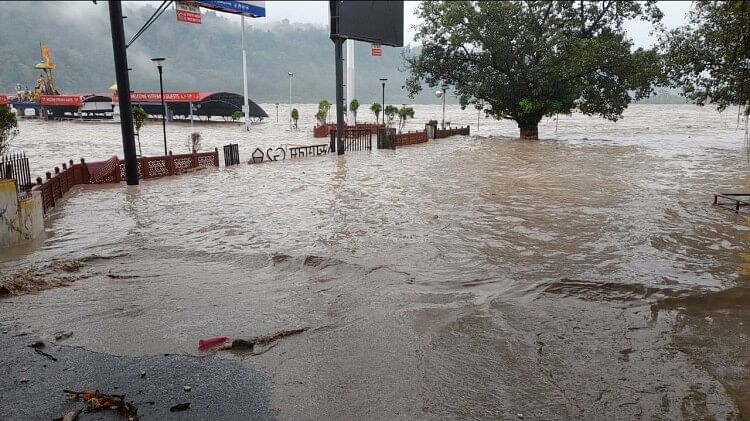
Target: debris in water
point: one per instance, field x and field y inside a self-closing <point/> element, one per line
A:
<point x="40" y="352"/>
<point x="116" y="276"/>
<point x="180" y="407"/>
<point x="59" y="336"/>
<point x="24" y="380"/>
<point x="68" y="266"/>
<point x="30" y="281"/>
<point x="207" y="343"/>
<point x="143" y="373"/>
<point x="267" y="342"/>
<point x="186" y="388"/>
<point x="96" y="401"/>
<point x="37" y="344"/>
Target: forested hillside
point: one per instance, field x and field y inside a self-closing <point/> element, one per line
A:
<point x="199" y="57"/>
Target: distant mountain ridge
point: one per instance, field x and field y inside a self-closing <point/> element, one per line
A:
<point x="204" y="57"/>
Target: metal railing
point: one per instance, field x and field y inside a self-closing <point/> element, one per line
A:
<point x="16" y="166"/>
<point x="231" y="154"/>
<point x="354" y="140"/>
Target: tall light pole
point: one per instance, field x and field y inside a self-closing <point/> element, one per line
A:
<point x="291" y="75"/>
<point x="382" y="104"/>
<point x="123" y="84"/>
<point x="246" y="100"/>
<point x="159" y="62"/>
<point x="439" y="94"/>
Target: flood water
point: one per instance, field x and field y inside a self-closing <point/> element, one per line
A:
<point x="586" y="275"/>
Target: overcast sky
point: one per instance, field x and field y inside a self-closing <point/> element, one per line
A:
<point x="317" y="12"/>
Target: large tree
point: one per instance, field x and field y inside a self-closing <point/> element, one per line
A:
<point x="710" y="56"/>
<point x="529" y="59"/>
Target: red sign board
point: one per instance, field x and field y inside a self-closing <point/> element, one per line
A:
<point x="3" y="99"/>
<point x="61" y="100"/>
<point x="377" y="51"/>
<point x="187" y="12"/>
<point x="168" y="97"/>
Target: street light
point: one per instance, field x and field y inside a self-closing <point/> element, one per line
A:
<point x="158" y="61"/>
<point x="291" y="75"/>
<point x="382" y="82"/>
<point x="439" y="94"/>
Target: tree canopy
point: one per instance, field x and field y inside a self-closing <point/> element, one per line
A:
<point x="710" y="56"/>
<point x="529" y="59"/>
<point x="8" y="127"/>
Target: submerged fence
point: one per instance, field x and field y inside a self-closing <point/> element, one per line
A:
<point x="443" y="133"/>
<point x="54" y="187"/>
<point x="354" y="140"/>
<point x="16" y="166"/>
<point x="231" y="154"/>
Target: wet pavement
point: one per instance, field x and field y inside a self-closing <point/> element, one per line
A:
<point x="31" y="384"/>
<point x="473" y="277"/>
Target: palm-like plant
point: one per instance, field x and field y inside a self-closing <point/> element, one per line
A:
<point x="354" y="106"/>
<point x="376" y="108"/>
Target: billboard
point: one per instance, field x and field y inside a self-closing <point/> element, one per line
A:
<point x="187" y="12"/>
<point x="378" y="22"/>
<point x="253" y="9"/>
<point x="168" y="97"/>
<point x="61" y="100"/>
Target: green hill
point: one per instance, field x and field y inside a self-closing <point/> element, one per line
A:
<point x="202" y="57"/>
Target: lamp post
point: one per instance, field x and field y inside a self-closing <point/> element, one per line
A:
<point x="158" y="61"/>
<point x="382" y="104"/>
<point x="439" y="94"/>
<point x="291" y="75"/>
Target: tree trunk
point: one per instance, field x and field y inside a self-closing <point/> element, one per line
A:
<point x="529" y="131"/>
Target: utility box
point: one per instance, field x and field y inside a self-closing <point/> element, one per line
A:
<point x="387" y="138"/>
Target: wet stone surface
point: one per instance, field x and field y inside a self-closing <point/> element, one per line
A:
<point x="31" y="385"/>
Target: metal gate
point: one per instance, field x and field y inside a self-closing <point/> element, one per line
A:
<point x="231" y="154"/>
<point x="354" y="140"/>
<point x="16" y="166"/>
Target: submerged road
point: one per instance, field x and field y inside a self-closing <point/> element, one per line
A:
<point x="472" y="277"/>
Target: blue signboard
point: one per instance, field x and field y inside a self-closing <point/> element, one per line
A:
<point x="253" y="9"/>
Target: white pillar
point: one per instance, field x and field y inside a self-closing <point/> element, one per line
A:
<point x="349" y="79"/>
<point x="246" y="100"/>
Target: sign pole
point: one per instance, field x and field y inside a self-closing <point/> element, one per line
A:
<point x="246" y="100"/>
<point x="339" y="95"/>
<point x="350" y="79"/>
<point x="123" y="90"/>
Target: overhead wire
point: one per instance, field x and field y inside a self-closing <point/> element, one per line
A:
<point x="159" y="11"/>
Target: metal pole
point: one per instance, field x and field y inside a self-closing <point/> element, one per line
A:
<point x="338" y="41"/>
<point x="163" y="111"/>
<point x="443" y="108"/>
<point x="350" y="78"/>
<point x="123" y="85"/>
<point x="246" y="100"/>
<point x="382" y="111"/>
<point x="290" y="101"/>
<point x="191" y="114"/>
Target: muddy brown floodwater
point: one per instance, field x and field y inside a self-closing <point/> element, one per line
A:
<point x="582" y="276"/>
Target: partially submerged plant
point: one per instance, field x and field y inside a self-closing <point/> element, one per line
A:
<point x="8" y="127"/>
<point x="194" y="141"/>
<point x="295" y="116"/>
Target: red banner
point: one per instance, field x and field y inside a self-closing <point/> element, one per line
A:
<point x="187" y="12"/>
<point x="168" y="97"/>
<point x="61" y="100"/>
<point x="3" y="99"/>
